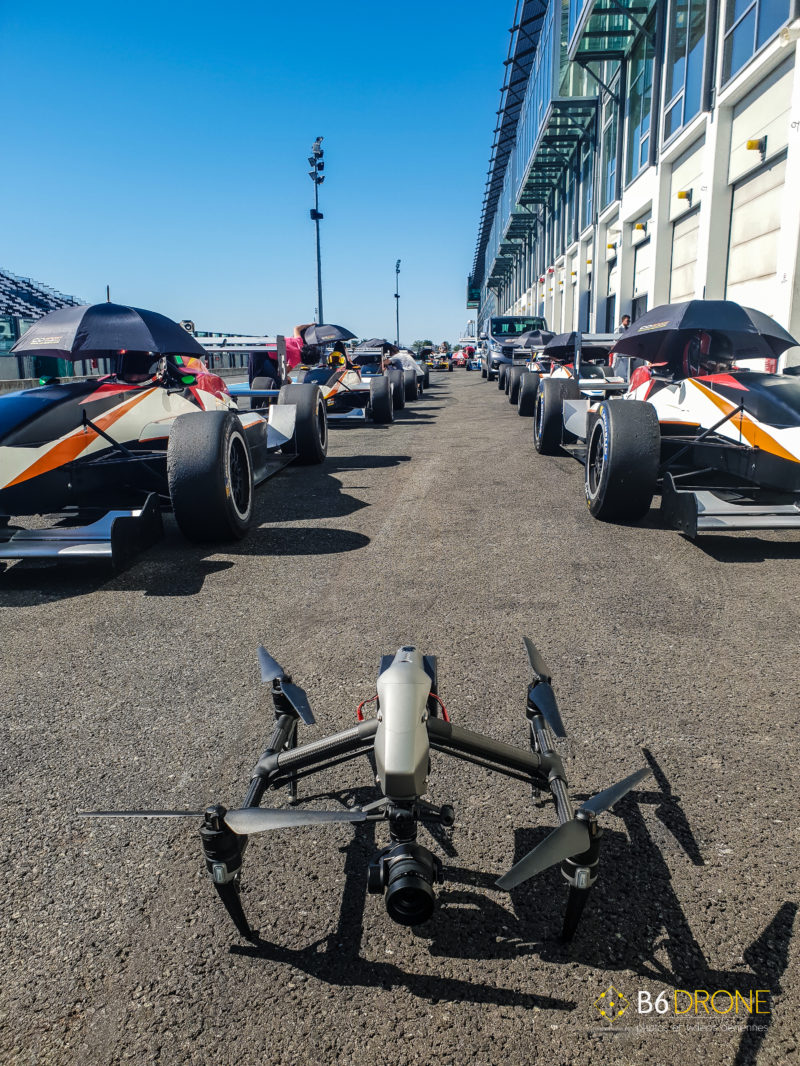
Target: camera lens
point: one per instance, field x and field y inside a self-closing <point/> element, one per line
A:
<point x="410" y="873"/>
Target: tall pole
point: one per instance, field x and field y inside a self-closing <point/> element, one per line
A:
<point x="316" y="175"/>
<point x="397" y="300"/>
<point x="319" y="254"/>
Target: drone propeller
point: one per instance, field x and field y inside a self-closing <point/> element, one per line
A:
<point x="540" y="693"/>
<point x="537" y="662"/>
<point x="571" y="838"/>
<point x="247" y="820"/>
<point x="271" y="670"/>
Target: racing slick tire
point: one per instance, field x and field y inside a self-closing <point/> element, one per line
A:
<point x="410" y="385"/>
<point x="210" y="476"/>
<point x="548" y="419"/>
<point x="381" y="405"/>
<point x="426" y="381"/>
<point x="311" y="421"/>
<point x="526" y="398"/>
<point x="514" y="379"/>
<point x="260" y="385"/>
<point x="450" y="367"/>
<point x="622" y="457"/>
<point x="398" y="388"/>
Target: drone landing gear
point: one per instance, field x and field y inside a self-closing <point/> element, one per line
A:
<point x="575" y="843"/>
<point x="223" y="850"/>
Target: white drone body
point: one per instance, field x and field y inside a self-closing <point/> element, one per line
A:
<point x="402" y="749"/>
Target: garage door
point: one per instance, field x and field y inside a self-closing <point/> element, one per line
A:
<point x="684" y="258"/>
<point x="641" y="269"/>
<point x="755" y="231"/>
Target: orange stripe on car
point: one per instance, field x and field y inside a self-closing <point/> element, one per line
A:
<point x="755" y="436"/>
<point x="71" y="447"/>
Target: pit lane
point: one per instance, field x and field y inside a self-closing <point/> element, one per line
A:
<point x="445" y="529"/>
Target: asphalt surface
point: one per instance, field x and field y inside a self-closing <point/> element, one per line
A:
<point x="448" y="531"/>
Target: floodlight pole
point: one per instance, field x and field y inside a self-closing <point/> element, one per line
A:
<point x="316" y="175"/>
<point x="397" y="300"/>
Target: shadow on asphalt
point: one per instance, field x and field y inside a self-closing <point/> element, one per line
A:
<point x="633" y="920"/>
<point x="176" y="567"/>
<point x="746" y="549"/>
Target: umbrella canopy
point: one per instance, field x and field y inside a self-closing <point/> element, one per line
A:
<point x="562" y="346"/>
<point x="533" y="338"/>
<point x="378" y="342"/>
<point x="739" y="332"/>
<point x="326" y="334"/>
<point x="92" y="330"/>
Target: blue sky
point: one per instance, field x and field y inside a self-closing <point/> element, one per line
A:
<point x="162" y="148"/>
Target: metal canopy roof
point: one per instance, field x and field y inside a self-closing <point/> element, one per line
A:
<point x="528" y="16"/>
<point x="606" y="28"/>
<point x="566" y="122"/>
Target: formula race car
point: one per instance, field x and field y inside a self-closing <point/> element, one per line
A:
<point x="410" y="724"/>
<point x="722" y="446"/>
<point x="442" y="361"/>
<point x="582" y="357"/>
<point x="159" y="431"/>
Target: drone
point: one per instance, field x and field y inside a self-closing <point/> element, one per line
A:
<point x="410" y="721"/>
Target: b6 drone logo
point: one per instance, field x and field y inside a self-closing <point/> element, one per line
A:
<point x="611" y="1004"/>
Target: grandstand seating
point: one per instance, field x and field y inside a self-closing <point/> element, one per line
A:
<point x="25" y="298"/>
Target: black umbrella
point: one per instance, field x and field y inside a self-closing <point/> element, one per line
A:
<point x="739" y="332"/>
<point x="323" y="334"/>
<point x="533" y="338"/>
<point x="93" y="330"/>
<point x="378" y="342"/>
<point x="562" y="346"/>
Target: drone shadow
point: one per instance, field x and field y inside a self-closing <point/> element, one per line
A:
<point x="337" y="957"/>
<point x="652" y="935"/>
<point x="647" y="918"/>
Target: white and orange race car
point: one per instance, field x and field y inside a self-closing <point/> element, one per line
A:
<point x="159" y="432"/>
<point x="722" y="446"/>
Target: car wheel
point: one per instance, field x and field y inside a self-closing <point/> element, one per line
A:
<point x="427" y="379"/>
<point x="380" y="400"/>
<point x="622" y="457"/>
<point x="410" y="390"/>
<point x="483" y="371"/>
<point x="398" y="388"/>
<point x="210" y="476"/>
<point x="514" y="378"/>
<point x="548" y="419"/>
<point x="310" y="423"/>
<point x="490" y="374"/>
<point x="528" y="387"/>
<point x="502" y="374"/>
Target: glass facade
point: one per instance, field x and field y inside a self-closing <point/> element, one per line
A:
<point x="684" y="71"/>
<point x="608" y="154"/>
<point x="639" y="101"/>
<point x="749" y="24"/>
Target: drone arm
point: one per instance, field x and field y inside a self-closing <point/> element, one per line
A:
<point x="557" y="782"/>
<point x="285" y="725"/>
<point x="504" y="758"/>
<point x="277" y="764"/>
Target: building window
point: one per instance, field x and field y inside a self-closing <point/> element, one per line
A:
<point x="608" y="159"/>
<point x="687" y="33"/>
<point x="749" y="24"/>
<point x="587" y="184"/>
<point x="640" y="95"/>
